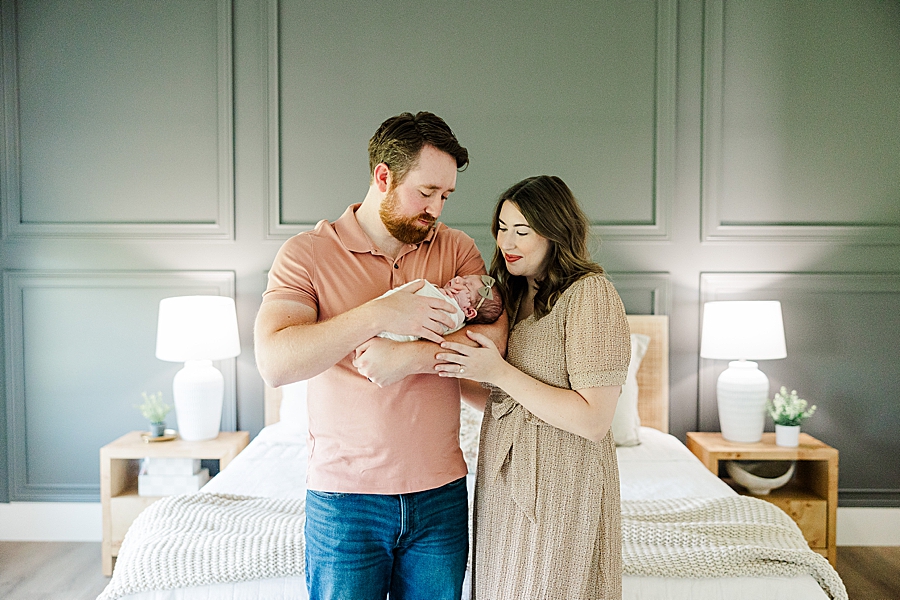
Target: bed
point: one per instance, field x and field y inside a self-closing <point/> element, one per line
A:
<point x="210" y="545"/>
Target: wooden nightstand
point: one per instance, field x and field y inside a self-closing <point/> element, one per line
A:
<point x="119" y="464"/>
<point x="810" y="498"/>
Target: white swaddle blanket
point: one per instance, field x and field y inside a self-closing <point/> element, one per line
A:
<point x="432" y="291"/>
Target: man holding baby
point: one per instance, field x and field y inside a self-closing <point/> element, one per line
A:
<point x="386" y="500"/>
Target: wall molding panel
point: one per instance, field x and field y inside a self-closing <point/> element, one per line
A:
<point x="277" y="229"/>
<point x="643" y="292"/>
<point x="841" y="356"/>
<point x="81" y="344"/>
<point x="148" y="163"/>
<point x="661" y="165"/>
<point x="756" y="164"/>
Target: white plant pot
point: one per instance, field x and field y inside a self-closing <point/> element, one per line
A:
<point x="787" y="435"/>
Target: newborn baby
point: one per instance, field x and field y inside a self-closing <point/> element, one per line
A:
<point x="472" y="296"/>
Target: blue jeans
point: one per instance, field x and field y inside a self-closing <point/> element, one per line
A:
<point x="363" y="546"/>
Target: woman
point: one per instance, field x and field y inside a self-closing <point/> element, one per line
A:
<point x="547" y="522"/>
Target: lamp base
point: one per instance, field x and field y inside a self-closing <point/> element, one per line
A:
<point x="742" y="391"/>
<point x="198" y="390"/>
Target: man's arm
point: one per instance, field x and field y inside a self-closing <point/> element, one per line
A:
<point x="292" y="345"/>
<point x="386" y="362"/>
<point x="474" y="394"/>
<point x="498" y="332"/>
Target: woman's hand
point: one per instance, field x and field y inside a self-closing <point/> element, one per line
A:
<point x="586" y="412"/>
<point x="481" y="363"/>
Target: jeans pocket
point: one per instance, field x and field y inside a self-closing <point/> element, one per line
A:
<point x="328" y="495"/>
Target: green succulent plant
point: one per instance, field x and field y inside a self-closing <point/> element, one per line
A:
<point x="153" y="408"/>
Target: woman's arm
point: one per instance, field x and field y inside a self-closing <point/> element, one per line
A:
<point x="587" y="412"/>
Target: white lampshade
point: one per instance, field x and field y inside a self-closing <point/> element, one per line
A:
<point x="197" y="330"/>
<point x="742" y="330"/>
<point x="749" y="329"/>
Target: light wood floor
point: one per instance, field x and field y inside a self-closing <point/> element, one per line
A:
<point x="71" y="571"/>
<point x="50" y="570"/>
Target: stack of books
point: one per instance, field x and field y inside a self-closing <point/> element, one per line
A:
<point x="170" y="476"/>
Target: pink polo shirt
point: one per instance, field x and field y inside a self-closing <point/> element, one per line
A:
<point x="362" y="438"/>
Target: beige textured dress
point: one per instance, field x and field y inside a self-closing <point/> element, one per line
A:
<point x="547" y="522"/>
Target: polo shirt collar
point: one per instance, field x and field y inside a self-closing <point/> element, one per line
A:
<point x="355" y="239"/>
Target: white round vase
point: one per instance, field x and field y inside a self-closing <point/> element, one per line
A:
<point x="741" y="392"/>
<point x="198" y="391"/>
<point x="787" y="435"/>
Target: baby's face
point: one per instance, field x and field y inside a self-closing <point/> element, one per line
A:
<point x="464" y="289"/>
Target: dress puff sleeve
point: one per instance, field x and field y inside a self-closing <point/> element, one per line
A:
<point x="598" y="339"/>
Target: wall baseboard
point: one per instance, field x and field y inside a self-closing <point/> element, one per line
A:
<point x="51" y="522"/>
<point x="868" y="526"/>
<point x="81" y="522"/>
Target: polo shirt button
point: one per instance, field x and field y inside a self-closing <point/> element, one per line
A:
<point x="396" y="266"/>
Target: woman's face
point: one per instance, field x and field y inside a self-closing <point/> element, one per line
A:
<point x="524" y="251"/>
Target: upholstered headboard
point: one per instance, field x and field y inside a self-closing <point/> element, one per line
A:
<point x="653" y="376"/>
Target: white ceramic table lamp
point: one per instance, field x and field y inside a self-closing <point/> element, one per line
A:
<point x="737" y="331"/>
<point x="197" y="330"/>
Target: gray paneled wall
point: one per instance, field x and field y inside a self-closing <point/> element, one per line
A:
<point x="586" y="92"/>
<point x="721" y="149"/>
<point x="122" y="113"/>
<point x="840" y="330"/>
<point x="801" y="121"/>
<point x="80" y="351"/>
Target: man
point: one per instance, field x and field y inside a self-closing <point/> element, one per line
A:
<point x="386" y="500"/>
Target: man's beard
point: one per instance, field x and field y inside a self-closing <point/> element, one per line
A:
<point x="405" y="229"/>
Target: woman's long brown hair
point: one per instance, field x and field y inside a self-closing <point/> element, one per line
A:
<point x="552" y="212"/>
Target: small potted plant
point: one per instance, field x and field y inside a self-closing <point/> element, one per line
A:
<point x="788" y="410"/>
<point x="155" y="411"/>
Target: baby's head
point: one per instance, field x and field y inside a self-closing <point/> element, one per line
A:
<point x="477" y="297"/>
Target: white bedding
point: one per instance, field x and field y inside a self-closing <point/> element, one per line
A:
<point x="662" y="467"/>
<point x="274" y="465"/>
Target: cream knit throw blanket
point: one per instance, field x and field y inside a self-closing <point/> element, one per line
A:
<point x="203" y="539"/>
<point x="719" y="537"/>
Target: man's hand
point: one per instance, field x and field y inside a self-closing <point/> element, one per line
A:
<point x="385" y="362"/>
<point x="405" y="313"/>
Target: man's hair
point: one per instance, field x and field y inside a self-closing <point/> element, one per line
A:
<point x="490" y="310"/>
<point x="400" y="139"/>
<point x="552" y="212"/>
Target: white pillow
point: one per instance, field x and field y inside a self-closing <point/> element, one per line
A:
<point x="626" y="423"/>
<point x="293" y="411"/>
